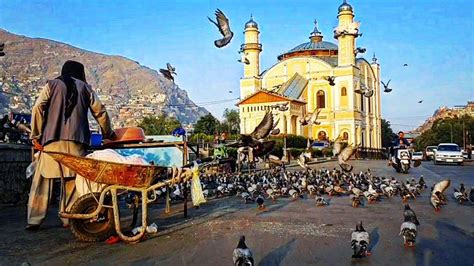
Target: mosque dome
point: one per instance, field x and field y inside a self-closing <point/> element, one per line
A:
<point x="345" y="7"/>
<point x="251" y="23"/>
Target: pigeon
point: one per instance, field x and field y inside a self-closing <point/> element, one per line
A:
<point x="359" y="50"/>
<point x="311" y="119"/>
<point x="405" y="65"/>
<point x="471" y="194"/>
<point x="356" y="201"/>
<point x="260" y="202"/>
<point x="168" y="72"/>
<point x="459" y="196"/>
<point x="242" y="255"/>
<point x="282" y="107"/>
<point x="385" y="86"/>
<point x="410" y="215"/>
<point x="345" y="155"/>
<point x="331" y="80"/>
<point x="360" y="242"/>
<point x="420" y="101"/>
<point x="224" y="28"/>
<point x="441" y="187"/>
<point x="245" y="61"/>
<point x="369" y="93"/>
<point x="320" y="201"/>
<point x="408" y="231"/>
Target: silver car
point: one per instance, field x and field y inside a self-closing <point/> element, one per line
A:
<point x="448" y="153"/>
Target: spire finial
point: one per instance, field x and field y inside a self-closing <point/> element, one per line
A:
<point x="374" y="59"/>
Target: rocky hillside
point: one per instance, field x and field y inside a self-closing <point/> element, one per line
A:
<point x="446" y="112"/>
<point x="128" y="89"/>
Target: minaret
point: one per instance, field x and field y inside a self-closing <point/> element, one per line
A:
<point x="345" y="33"/>
<point x="250" y="50"/>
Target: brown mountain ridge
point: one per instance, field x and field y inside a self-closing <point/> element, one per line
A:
<point x="128" y="89"/>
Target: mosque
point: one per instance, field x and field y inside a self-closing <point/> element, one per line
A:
<point x="300" y="79"/>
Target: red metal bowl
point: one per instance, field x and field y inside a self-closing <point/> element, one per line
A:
<point x="129" y="134"/>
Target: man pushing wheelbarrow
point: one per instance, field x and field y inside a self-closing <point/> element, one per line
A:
<point x="60" y="124"/>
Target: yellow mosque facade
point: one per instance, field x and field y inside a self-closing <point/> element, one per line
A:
<point x="316" y="76"/>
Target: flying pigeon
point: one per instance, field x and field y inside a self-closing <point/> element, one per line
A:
<point x="385" y="86"/>
<point x="224" y="28"/>
<point x="168" y="72"/>
<point x="331" y="79"/>
<point x="420" y="101"/>
<point x="369" y="93"/>
<point x="245" y="61"/>
<point x="405" y="65"/>
<point x="360" y="242"/>
<point x="311" y="119"/>
<point x="437" y="195"/>
<point x="359" y="50"/>
<point x="242" y="255"/>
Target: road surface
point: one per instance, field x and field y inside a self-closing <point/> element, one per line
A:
<point x="286" y="233"/>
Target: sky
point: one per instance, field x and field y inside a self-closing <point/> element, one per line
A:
<point x="434" y="37"/>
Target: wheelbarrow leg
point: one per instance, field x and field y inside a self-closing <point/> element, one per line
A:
<point x="142" y="231"/>
<point x="136" y="200"/>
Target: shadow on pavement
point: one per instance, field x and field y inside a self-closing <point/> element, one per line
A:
<point x="450" y="244"/>
<point x="278" y="255"/>
<point x="374" y="239"/>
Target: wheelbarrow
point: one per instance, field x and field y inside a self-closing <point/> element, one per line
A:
<point x="95" y="216"/>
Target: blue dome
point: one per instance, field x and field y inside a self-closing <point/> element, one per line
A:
<point x="345" y="7"/>
<point x="251" y="23"/>
<point x="307" y="46"/>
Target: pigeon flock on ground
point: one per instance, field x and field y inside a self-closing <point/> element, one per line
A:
<point x="321" y="184"/>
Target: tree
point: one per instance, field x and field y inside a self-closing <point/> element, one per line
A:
<point x="443" y="128"/>
<point x="387" y="133"/>
<point x="207" y="124"/>
<point x="231" y="123"/>
<point x="160" y="125"/>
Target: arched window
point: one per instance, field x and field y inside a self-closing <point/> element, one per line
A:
<point x="343" y="91"/>
<point x="345" y="136"/>
<point x="320" y="99"/>
<point x="322" y="136"/>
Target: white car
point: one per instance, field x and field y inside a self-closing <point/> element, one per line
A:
<point x="417" y="155"/>
<point x="448" y="153"/>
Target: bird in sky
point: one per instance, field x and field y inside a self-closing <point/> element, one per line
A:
<point x="245" y="61"/>
<point x="405" y="65"/>
<point x="168" y="72"/>
<point x="420" y="101"/>
<point x="385" y="86"/>
<point x="224" y="28"/>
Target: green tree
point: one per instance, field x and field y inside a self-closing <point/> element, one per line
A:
<point x="387" y="133"/>
<point x="160" y="125"/>
<point x="207" y="124"/>
<point x="231" y="123"/>
<point x="443" y="128"/>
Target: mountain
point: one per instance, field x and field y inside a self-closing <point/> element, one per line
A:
<point x="446" y="112"/>
<point x="128" y="89"/>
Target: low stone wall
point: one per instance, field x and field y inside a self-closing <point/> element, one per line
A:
<point x="14" y="159"/>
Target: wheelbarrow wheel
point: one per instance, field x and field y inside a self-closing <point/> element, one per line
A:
<point x="92" y="230"/>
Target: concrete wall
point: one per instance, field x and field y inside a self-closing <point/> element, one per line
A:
<point x="14" y="159"/>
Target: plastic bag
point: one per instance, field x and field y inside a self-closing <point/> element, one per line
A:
<point x="196" y="189"/>
<point x="30" y="170"/>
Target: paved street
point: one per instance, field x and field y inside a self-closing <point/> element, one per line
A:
<point x="286" y="233"/>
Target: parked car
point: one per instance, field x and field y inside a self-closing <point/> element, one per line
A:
<point x="429" y="152"/>
<point x="448" y="153"/>
<point x="417" y="155"/>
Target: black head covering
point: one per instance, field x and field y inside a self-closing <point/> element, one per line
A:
<point x="71" y="69"/>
